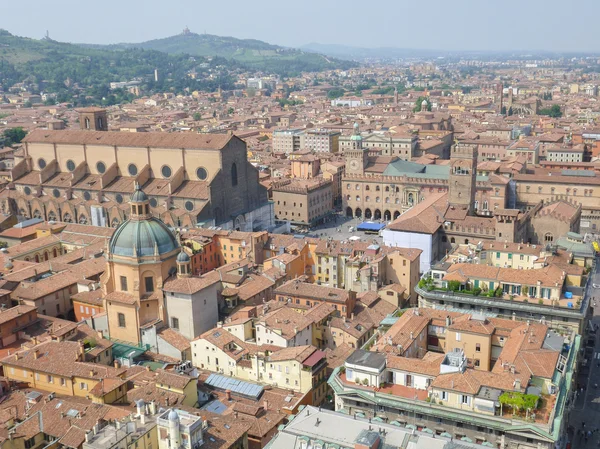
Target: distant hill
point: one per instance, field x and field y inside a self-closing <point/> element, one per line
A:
<point x="251" y="53"/>
<point x="361" y="53"/>
<point x="83" y="74"/>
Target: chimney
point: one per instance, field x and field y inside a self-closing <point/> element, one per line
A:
<point x="411" y="336"/>
<point x="81" y="348"/>
<point x="36" y="354"/>
<point x="91" y="373"/>
<point x="117" y="364"/>
<point x="167" y="401"/>
<point x="448" y="321"/>
<point x="228" y="394"/>
<point x="266" y="405"/>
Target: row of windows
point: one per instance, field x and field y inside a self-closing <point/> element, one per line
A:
<point x="367" y="187"/>
<point x="586" y="192"/>
<point x="132" y="169"/>
<point x="148" y="283"/>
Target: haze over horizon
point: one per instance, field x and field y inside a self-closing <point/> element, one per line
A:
<point x="469" y="25"/>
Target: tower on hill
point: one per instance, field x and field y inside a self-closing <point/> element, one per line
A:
<point x="462" y="179"/>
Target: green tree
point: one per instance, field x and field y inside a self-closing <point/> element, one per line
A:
<point x="28" y="104"/>
<point x="230" y="111"/>
<point x="335" y="93"/>
<point x="503" y="111"/>
<point x="13" y="136"/>
<point x="418" y="104"/>
<point x="553" y="111"/>
<point x="197" y="116"/>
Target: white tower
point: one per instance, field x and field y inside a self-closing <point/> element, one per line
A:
<point x="174" y="434"/>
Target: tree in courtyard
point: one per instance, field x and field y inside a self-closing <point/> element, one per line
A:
<point x="13" y="136"/>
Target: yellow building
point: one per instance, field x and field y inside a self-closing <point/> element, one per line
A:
<point x="58" y="367"/>
<point x="298" y="368"/>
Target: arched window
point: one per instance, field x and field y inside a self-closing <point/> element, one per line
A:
<point x="485" y="205"/>
<point x="452" y="240"/>
<point x="548" y="237"/>
<point x="411" y="198"/>
<point x="476" y="204"/>
<point x="234" y="175"/>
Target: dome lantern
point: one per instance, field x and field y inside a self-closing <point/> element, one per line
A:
<point x="139" y="204"/>
<point x="142" y="235"/>
<point x="184" y="269"/>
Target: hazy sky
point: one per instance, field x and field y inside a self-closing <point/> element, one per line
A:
<point x="434" y="24"/>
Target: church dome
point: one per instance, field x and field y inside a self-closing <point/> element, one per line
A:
<point x="356" y="133"/>
<point x="183" y="257"/>
<point x="139" y="196"/>
<point x="139" y="238"/>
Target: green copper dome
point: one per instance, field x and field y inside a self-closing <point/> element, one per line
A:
<point x="182" y="257"/>
<point x="142" y="238"/>
<point x="138" y="197"/>
<point x="356" y="133"/>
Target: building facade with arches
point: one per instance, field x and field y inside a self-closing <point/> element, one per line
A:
<point x="85" y="176"/>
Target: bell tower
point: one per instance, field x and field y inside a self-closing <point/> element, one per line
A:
<point x="93" y="119"/>
<point x="462" y="178"/>
<point x="356" y="156"/>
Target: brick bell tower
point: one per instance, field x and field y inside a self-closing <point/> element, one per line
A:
<point x="462" y="178"/>
<point x="357" y="157"/>
<point x="93" y="119"/>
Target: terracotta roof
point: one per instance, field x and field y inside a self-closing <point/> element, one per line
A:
<point x="143" y="140"/>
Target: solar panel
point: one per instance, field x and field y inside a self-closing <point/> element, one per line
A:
<point x="240" y="387"/>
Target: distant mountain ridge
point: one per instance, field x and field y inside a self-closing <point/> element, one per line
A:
<point x="362" y="53"/>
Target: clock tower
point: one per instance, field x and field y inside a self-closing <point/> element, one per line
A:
<point x="356" y="156"/>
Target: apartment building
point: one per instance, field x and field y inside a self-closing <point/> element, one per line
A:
<point x="287" y="140"/>
<point x="305" y="202"/>
<point x="59" y="367"/>
<point x="321" y="140"/>
<point x="454" y="385"/>
<point x="513" y="280"/>
<point x="299" y="368"/>
<point x="302" y="295"/>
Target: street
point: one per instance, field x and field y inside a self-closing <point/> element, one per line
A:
<point x="586" y="409"/>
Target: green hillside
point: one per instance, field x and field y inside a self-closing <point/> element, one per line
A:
<point x="250" y="53"/>
<point x="83" y="74"/>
